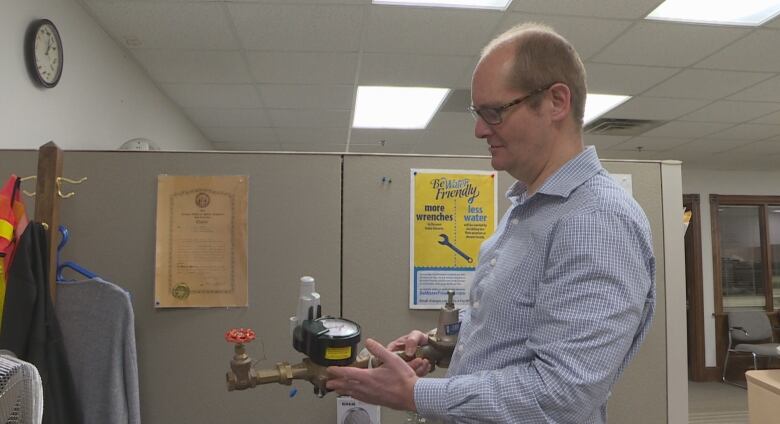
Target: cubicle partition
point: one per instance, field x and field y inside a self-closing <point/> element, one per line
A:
<point x="343" y="219"/>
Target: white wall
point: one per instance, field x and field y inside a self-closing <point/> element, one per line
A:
<point x="103" y="99"/>
<point x="706" y="182"/>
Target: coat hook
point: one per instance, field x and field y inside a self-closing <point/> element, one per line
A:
<point x="28" y="193"/>
<point x="67" y="180"/>
<point x="386" y="180"/>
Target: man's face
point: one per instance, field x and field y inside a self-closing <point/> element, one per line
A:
<point x="519" y="144"/>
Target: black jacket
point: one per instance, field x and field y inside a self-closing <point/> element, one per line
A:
<point x="31" y="330"/>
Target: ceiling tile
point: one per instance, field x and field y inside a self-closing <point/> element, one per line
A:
<point x="213" y="95"/>
<point x="767" y="91"/>
<point x="165" y="25"/>
<point x="303" y="68"/>
<point x="705" y="84"/>
<point x="683" y="129"/>
<point x="213" y="117"/>
<point x="667" y="44"/>
<point x="414" y="70"/>
<point x="240" y="135"/>
<point x="759" y="148"/>
<point x="609" y="154"/>
<point x="302" y="27"/>
<point x="624" y="79"/>
<point x="366" y="2"/>
<point x="376" y="137"/>
<point x="389" y="149"/>
<point x="255" y="73"/>
<point x="772" y="118"/>
<point x="206" y="66"/>
<point x="312" y="135"/>
<point x="747" y="132"/>
<point x="456" y="122"/>
<point x="642" y="143"/>
<point x="655" y="108"/>
<point x="309" y="118"/>
<point x="587" y="35"/>
<point x="756" y="52"/>
<point x="428" y="30"/>
<point x="774" y="23"/>
<point x="428" y="148"/>
<point x="600" y="8"/>
<point x="451" y="141"/>
<point x="736" y="161"/>
<point x="307" y="96"/>
<point x="728" y="111"/>
<point x="603" y="141"/>
<point x="705" y="146"/>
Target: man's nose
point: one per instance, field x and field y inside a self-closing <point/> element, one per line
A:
<point x="482" y="129"/>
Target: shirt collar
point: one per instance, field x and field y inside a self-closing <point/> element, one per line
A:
<point x="570" y="176"/>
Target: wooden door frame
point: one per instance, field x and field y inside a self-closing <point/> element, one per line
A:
<point x="721" y="321"/>
<point x="693" y="266"/>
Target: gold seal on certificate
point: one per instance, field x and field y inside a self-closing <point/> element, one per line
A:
<point x="181" y="291"/>
<point x="201" y="255"/>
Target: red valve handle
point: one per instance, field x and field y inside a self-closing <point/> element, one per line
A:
<point x="240" y="335"/>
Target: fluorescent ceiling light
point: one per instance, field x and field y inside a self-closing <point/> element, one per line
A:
<point x="718" y="12"/>
<point x="464" y="4"/>
<point x="397" y="107"/>
<point x="599" y="104"/>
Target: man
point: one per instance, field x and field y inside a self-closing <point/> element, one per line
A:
<point x="564" y="292"/>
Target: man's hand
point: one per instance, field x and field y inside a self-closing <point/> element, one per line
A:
<point x="391" y="385"/>
<point x="409" y="344"/>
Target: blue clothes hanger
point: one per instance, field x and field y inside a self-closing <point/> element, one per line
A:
<point x="65" y="235"/>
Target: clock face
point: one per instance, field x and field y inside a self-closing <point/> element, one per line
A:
<point x="47" y="53"/>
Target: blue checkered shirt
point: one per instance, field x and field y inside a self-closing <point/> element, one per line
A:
<point x="562" y="298"/>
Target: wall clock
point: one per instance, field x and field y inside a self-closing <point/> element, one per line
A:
<point x="43" y="48"/>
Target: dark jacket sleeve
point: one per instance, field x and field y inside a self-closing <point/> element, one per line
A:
<point x="31" y="330"/>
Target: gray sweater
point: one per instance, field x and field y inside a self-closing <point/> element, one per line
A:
<point x="97" y="324"/>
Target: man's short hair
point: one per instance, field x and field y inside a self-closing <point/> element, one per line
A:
<point x="544" y="57"/>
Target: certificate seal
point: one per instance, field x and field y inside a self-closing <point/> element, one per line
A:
<point x="181" y="291"/>
<point x="202" y="200"/>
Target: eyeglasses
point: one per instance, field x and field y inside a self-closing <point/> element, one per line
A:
<point x="493" y="115"/>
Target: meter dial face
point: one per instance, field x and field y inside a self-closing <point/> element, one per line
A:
<point x="339" y="327"/>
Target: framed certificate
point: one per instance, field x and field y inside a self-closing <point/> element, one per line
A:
<point x="201" y="248"/>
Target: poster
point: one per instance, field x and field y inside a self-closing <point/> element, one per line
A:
<point x="201" y="249"/>
<point x="452" y="213"/>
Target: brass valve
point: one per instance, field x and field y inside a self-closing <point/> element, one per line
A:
<point x="242" y="375"/>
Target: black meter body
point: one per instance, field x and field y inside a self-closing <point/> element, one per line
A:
<point x="327" y="341"/>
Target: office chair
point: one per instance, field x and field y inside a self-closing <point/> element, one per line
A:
<point x="746" y="328"/>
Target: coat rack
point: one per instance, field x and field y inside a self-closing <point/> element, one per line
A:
<point x="48" y="192"/>
<point x="47" y="203"/>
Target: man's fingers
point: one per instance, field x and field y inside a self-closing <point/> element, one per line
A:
<point x="420" y="366"/>
<point x="387" y="357"/>
<point x="411" y="347"/>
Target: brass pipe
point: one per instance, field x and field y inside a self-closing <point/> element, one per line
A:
<point x="243" y="376"/>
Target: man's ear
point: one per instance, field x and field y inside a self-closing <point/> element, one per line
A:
<point x="561" y="101"/>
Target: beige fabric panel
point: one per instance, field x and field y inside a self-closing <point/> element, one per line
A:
<point x="22" y="163"/>
<point x="639" y="397"/>
<point x="294" y="230"/>
<point x="376" y="267"/>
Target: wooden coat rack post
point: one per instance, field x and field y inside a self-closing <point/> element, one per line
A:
<point x="47" y="203"/>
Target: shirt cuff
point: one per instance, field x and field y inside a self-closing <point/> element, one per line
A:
<point x="430" y="397"/>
